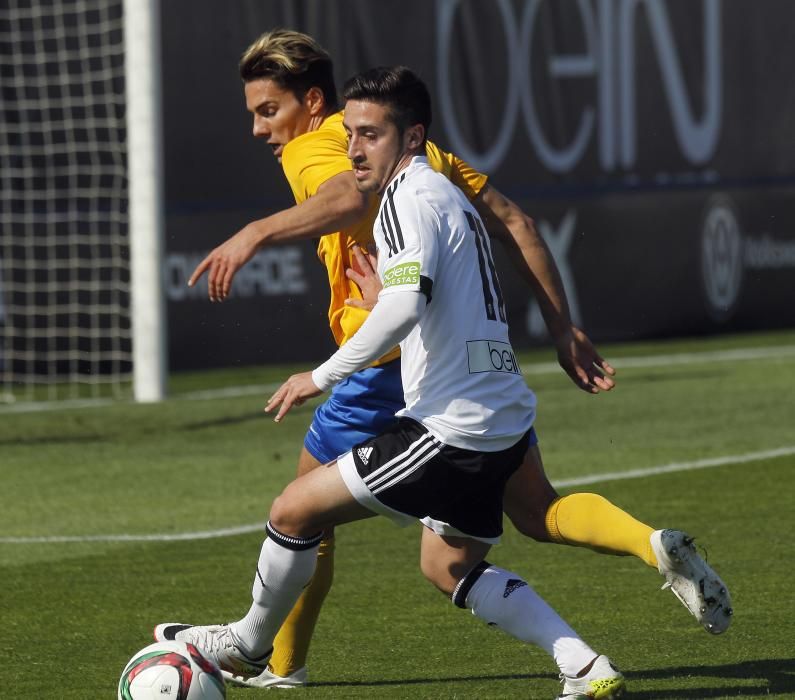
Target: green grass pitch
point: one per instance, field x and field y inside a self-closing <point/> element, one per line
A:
<point x="74" y="611"/>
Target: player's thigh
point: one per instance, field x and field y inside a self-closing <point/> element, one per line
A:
<point x="306" y="462"/>
<point x="445" y="560"/>
<point x="528" y="495"/>
<point x="316" y="501"/>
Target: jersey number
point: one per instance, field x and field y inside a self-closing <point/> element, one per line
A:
<point x="488" y="273"/>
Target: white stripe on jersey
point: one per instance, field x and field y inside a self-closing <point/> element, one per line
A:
<point x="419" y="452"/>
<point x="390" y="223"/>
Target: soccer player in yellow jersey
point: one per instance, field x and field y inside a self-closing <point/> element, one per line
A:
<point x="290" y="91"/>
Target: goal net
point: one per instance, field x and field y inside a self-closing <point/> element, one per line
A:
<point x="65" y="296"/>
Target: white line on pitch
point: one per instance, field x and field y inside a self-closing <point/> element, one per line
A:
<point x="684" y="358"/>
<point x="678" y="358"/>
<point x="676" y="467"/>
<point x="707" y="463"/>
<point x="165" y="537"/>
<point x="681" y="358"/>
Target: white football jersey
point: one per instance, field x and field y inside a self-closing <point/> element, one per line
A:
<point x="460" y="374"/>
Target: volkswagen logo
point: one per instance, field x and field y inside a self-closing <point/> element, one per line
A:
<point x="721" y="257"/>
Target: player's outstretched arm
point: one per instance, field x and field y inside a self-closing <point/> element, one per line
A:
<point x="517" y="232"/>
<point x="580" y="360"/>
<point x="390" y="321"/>
<point x="297" y="389"/>
<point x="336" y="205"/>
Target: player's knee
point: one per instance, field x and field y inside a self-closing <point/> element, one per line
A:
<point x="287" y="517"/>
<point x="280" y="516"/>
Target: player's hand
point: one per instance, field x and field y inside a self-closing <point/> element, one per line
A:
<point x="293" y="392"/>
<point x="584" y="365"/>
<point x="364" y="273"/>
<point x="224" y="262"/>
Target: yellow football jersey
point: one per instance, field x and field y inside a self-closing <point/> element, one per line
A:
<point x="311" y="159"/>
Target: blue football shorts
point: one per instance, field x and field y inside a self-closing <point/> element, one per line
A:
<point x="359" y="408"/>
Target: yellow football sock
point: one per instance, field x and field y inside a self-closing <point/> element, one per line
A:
<point x="291" y="646"/>
<point x="589" y="520"/>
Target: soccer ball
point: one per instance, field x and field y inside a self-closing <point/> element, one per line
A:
<point x="171" y="671"/>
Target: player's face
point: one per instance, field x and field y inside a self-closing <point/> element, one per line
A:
<point x="375" y="146"/>
<point x="278" y="114"/>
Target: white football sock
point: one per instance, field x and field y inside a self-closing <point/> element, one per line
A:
<point x="285" y="566"/>
<point x="503" y="599"/>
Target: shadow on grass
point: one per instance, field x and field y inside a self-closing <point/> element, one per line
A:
<point x="243" y="418"/>
<point x="226" y="420"/>
<point x="53" y="440"/>
<point x="677" y="375"/>
<point x="774" y="676"/>
<point x="429" y="680"/>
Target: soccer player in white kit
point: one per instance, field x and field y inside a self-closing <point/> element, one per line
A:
<point x="467" y="424"/>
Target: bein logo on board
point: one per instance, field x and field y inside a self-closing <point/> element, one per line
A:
<point x="613" y="53"/>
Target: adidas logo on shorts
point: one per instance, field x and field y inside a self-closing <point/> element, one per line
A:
<point x="364" y="454"/>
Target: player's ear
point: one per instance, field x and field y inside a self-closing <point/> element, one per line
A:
<point x="415" y="135"/>
<point x="315" y="101"/>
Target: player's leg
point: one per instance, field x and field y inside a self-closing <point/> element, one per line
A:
<point x="357" y="409"/>
<point x="309" y="505"/>
<point x="287" y="667"/>
<point x="501" y="598"/>
<point x="579" y="519"/>
<point x="446" y="560"/>
<point x="461" y="492"/>
<point x="286" y="563"/>
<point x="589" y="520"/>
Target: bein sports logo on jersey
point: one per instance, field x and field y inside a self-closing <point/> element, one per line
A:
<point x="404" y="273"/>
<point x="491" y="356"/>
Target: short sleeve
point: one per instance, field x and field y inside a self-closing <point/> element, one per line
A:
<point x="411" y="229"/>
<point x="457" y="170"/>
<point x="311" y="159"/>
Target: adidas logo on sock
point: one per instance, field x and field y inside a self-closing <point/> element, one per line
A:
<point x="512" y="585"/>
<point x="364" y="454"/>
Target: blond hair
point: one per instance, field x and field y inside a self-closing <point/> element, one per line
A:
<point x="293" y="60"/>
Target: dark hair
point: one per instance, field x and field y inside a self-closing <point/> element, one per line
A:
<point x="294" y="61"/>
<point x="396" y="87"/>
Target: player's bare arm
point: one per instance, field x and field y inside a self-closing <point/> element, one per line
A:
<point x="516" y="231"/>
<point x="337" y="205"/>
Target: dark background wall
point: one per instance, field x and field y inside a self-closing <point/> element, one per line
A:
<point x="652" y="142"/>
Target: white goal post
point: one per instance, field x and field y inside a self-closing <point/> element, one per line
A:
<point x="145" y="168"/>
<point x="81" y="213"/>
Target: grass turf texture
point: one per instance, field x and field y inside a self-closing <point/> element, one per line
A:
<point x="73" y="613"/>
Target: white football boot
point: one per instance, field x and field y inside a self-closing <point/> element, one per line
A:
<point x="692" y="580"/>
<point x="218" y="644"/>
<point x="268" y="679"/>
<point x="602" y="682"/>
